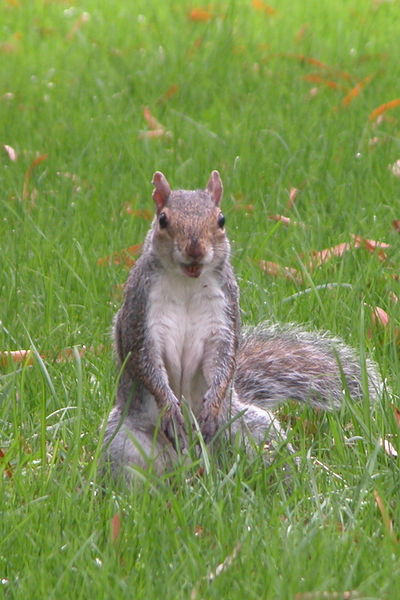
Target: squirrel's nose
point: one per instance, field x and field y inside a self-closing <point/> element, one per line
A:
<point x="195" y="249"/>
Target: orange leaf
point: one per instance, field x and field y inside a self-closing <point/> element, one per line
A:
<point x="281" y="218"/>
<point x="16" y="356"/>
<point x="292" y="197"/>
<point x="151" y="120"/>
<point x="396" y="412"/>
<point x="171" y="91"/>
<point x="123" y="257"/>
<point x="355" y="91"/>
<point x="264" y="7"/>
<point x="320" y="257"/>
<point x="314" y="78"/>
<point x="396" y="225"/>
<point x="142" y="213"/>
<point x="277" y="270"/>
<point x="200" y="14"/>
<point x="380" y="316"/>
<point x="7" y="468"/>
<point x="383" y="108"/>
<point x="12" y="155"/>
<point x="28" y="174"/>
<point x="371" y="245"/>
<point x="387" y="522"/>
<point x="81" y="20"/>
<point x="115" y="527"/>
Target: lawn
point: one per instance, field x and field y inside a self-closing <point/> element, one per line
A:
<point x="297" y="105"/>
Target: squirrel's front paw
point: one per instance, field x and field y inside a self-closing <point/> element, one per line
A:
<point x="208" y="420"/>
<point x="173" y="426"/>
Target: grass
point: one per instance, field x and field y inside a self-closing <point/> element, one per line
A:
<point x="73" y="88"/>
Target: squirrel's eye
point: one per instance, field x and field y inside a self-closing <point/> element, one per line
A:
<point x="221" y="221"/>
<point x="162" y="220"/>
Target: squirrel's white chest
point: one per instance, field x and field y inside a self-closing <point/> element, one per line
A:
<point x="185" y="318"/>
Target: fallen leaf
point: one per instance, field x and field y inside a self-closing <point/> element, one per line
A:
<point x="393" y="297"/>
<point x="12" y="155"/>
<point x="371" y="245"/>
<point x="396" y="225"/>
<point x="396" y="413"/>
<point x="302" y="32"/>
<point x="285" y="220"/>
<point x="379" y="316"/>
<point x="277" y="270"/>
<point x="388" y="447"/>
<point x="122" y="257"/>
<point x="200" y="14"/>
<point x="320" y="257"/>
<point x="355" y="91"/>
<point x="142" y="213"/>
<point x="171" y="91"/>
<point x="395" y="168"/>
<point x="156" y="130"/>
<point x="16" y="356"/>
<point x="315" y="78"/>
<point x="281" y="218"/>
<point x="28" y="175"/>
<point x="115" y="527"/>
<point x="293" y="192"/>
<point x="379" y="110"/>
<point x="199" y="531"/>
<point x="262" y="6"/>
<point x="81" y="20"/>
<point x="387" y="522"/>
<point x="7" y="468"/>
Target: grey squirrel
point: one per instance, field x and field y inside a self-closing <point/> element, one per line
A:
<point x="178" y="340"/>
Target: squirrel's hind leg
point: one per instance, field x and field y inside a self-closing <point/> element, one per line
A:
<point x="256" y="427"/>
<point x="132" y="445"/>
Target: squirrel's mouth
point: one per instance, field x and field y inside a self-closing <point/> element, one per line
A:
<point x="192" y="270"/>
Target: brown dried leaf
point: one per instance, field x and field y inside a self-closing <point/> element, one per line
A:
<point x="28" y="175"/>
<point x="377" y="112"/>
<point x="262" y="6"/>
<point x="122" y="257"/>
<point x="387" y="522"/>
<point x="16" y="356"/>
<point x="320" y="257"/>
<point x="355" y="91"/>
<point x="81" y="20"/>
<point x="200" y="14"/>
<point x="12" y="155"/>
<point x="115" y="526"/>
<point x="396" y="225"/>
<point x="396" y="413"/>
<point x="285" y="220"/>
<point x="277" y="270"/>
<point x="171" y="91"/>
<point x="371" y="245"/>
<point x="379" y="316"/>
<point x="199" y="531"/>
<point x="315" y="78"/>
<point x="142" y="213"/>
<point x="7" y="469"/>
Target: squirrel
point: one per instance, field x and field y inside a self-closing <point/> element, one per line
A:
<point x="179" y="341"/>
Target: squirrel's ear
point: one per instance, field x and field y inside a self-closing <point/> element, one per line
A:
<point x="162" y="190"/>
<point x="215" y="187"/>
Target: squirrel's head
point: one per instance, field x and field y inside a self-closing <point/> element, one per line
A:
<point x="188" y="229"/>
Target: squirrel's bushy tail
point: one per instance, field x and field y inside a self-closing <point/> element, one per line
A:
<point x="280" y="362"/>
